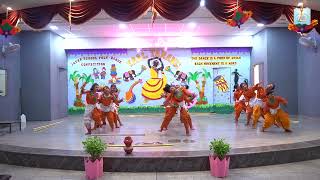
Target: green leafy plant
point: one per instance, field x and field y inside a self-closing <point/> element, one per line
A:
<point x="95" y="147"/>
<point x="219" y="148"/>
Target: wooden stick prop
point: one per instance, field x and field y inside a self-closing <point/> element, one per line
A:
<point x="46" y="126"/>
<point x="118" y="135"/>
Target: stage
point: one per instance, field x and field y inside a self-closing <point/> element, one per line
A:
<point x="59" y="146"/>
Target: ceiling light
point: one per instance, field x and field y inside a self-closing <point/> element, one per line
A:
<point x="202" y="3"/>
<point x="192" y="25"/>
<point x="260" y="25"/>
<point x="54" y="28"/>
<point x="9" y="8"/>
<point x="122" y="26"/>
<point x="71" y="0"/>
<point x="300" y="4"/>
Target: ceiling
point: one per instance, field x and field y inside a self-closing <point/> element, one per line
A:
<point x="204" y="24"/>
<point x="21" y="4"/>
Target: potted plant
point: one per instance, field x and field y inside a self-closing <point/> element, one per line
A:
<point x="219" y="161"/>
<point x="95" y="147"/>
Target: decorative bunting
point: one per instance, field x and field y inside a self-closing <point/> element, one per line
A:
<point x="303" y="28"/>
<point x="239" y="17"/>
<point x="7" y="29"/>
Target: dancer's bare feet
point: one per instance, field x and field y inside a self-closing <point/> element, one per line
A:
<point x="88" y="132"/>
<point x="117" y="127"/>
<point x="287" y="130"/>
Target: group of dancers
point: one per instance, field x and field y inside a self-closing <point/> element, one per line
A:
<point x="101" y="107"/>
<point x="256" y="102"/>
<point x="102" y="104"/>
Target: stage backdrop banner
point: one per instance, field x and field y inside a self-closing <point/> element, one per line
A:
<point x="209" y="72"/>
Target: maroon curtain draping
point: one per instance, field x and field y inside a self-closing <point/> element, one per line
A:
<point x="81" y="12"/>
<point x="176" y="10"/>
<point x="267" y="13"/>
<point x="128" y="10"/>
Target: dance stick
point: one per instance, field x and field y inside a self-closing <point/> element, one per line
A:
<point x="142" y="145"/>
<point x="46" y="126"/>
<point x="116" y="134"/>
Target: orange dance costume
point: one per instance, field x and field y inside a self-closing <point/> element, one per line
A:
<point x="106" y="101"/>
<point x="239" y="105"/>
<point x="116" y="106"/>
<point x="274" y="115"/>
<point x="91" y="113"/>
<point x="249" y="96"/>
<point x="176" y="99"/>
<point x="259" y="105"/>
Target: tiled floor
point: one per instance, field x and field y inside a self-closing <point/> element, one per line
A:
<point x="70" y="133"/>
<point x="307" y="170"/>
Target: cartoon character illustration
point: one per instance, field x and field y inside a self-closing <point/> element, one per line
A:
<point x="103" y="73"/>
<point x="130" y="96"/>
<point x="113" y="72"/>
<point x="153" y="88"/>
<point x="127" y="76"/>
<point x="221" y="83"/>
<point x="95" y="73"/>
<point x="236" y="79"/>
<point x="181" y="76"/>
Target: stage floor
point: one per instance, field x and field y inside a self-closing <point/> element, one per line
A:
<point x="69" y="134"/>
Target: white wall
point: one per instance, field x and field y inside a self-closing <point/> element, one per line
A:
<point x="149" y="42"/>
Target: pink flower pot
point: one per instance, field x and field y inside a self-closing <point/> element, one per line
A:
<point x="219" y="168"/>
<point x="94" y="169"/>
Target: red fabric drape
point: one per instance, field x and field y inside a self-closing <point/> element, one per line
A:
<point x="176" y="10"/>
<point x="125" y="10"/>
<point x="267" y="13"/>
<point x="128" y="10"/>
<point x="81" y="12"/>
<point x="221" y="9"/>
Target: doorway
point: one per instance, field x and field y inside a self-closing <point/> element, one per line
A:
<point x="258" y="70"/>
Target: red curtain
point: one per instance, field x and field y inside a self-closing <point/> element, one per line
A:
<point x="129" y="10"/>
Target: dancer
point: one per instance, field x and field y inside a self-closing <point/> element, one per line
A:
<point x="273" y="113"/>
<point x="259" y="105"/>
<point x="91" y="113"/>
<point x="249" y="95"/>
<point x="106" y="101"/>
<point x="116" y="103"/>
<point x="239" y="105"/>
<point x="173" y="102"/>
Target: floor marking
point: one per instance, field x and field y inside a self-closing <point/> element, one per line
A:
<point x="40" y="128"/>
